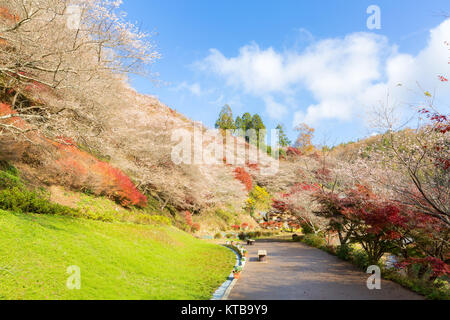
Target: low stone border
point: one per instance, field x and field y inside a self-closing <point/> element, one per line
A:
<point x="225" y="289"/>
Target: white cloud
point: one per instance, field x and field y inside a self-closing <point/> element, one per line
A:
<point x="344" y="76"/>
<point x="274" y="109"/>
<point x="193" y="88"/>
<point x="256" y="71"/>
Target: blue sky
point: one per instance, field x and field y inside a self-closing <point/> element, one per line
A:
<point x="293" y="61"/>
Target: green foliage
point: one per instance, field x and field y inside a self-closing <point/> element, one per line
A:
<point x="260" y="234"/>
<point x="8" y="181"/>
<point x="247" y="121"/>
<point x="257" y="123"/>
<point x="117" y="260"/>
<point x="243" y="236"/>
<point x="307" y="229"/>
<point x="226" y="121"/>
<point x="226" y="216"/>
<point x="360" y="259"/>
<point x="281" y="153"/>
<point x="313" y="240"/>
<point x="239" y="124"/>
<point x="344" y="252"/>
<point x="9" y="176"/>
<point x="283" y="139"/>
<point x="8" y="168"/>
<point x="14" y="196"/>
<point x="432" y="291"/>
<point x="22" y="200"/>
<point x="237" y="269"/>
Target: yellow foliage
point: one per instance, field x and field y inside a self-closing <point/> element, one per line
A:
<point x="259" y="199"/>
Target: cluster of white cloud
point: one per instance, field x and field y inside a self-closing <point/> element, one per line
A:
<point x="344" y="76"/>
<point x="193" y="88"/>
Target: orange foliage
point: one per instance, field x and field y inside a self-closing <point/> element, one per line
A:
<point x="244" y="177"/>
<point x="304" y="139"/>
<point x="6" y="110"/>
<point x="188" y="217"/>
<point x="252" y="166"/>
<point x="112" y="181"/>
<point x="6" y="15"/>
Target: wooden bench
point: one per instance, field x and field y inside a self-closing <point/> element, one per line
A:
<point x="262" y="255"/>
<point x="250" y="242"/>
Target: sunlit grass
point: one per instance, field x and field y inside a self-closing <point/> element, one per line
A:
<point x="117" y="260"/>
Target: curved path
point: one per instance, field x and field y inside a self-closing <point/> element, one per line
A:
<point x="295" y="271"/>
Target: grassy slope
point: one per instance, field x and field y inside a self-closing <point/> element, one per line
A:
<point x="117" y="260"/>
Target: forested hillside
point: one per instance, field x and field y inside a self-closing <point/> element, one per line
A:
<point x="78" y="143"/>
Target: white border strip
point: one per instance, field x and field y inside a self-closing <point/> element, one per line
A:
<point x="225" y="289"/>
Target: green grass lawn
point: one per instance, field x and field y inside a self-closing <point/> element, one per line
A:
<point x="117" y="260"/>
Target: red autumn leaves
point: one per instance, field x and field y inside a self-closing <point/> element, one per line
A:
<point x="244" y="177"/>
<point x="110" y="181"/>
<point x="195" y="227"/>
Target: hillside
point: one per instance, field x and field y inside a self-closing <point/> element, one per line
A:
<point x="117" y="260"/>
<point x="97" y="175"/>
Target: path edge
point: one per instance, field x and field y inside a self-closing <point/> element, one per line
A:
<point x="223" y="292"/>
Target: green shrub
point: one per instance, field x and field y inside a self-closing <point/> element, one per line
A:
<point x="431" y="291"/>
<point x="307" y="229"/>
<point x="225" y="215"/>
<point x="330" y="249"/>
<point x="254" y="234"/>
<point x="243" y="236"/>
<point x="15" y="197"/>
<point x="314" y="240"/>
<point x="8" y="168"/>
<point x="9" y="181"/>
<point x="344" y="252"/>
<point x="360" y="259"/>
<point x="218" y="236"/>
<point x="22" y="200"/>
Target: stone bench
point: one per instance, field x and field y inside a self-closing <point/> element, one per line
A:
<point x="262" y="255"/>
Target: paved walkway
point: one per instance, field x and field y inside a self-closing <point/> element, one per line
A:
<point x="295" y="271"/>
